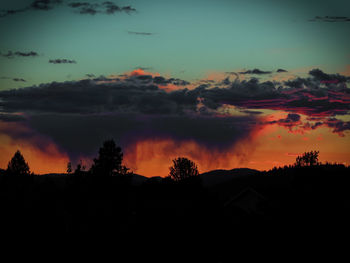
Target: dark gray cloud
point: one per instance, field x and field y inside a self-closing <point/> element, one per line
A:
<point x="5" y="117"/>
<point x="281" y="70"/>
<point x="4" y="13"/>
<point x="330" y="19"/>
<point x="320" y="75"/>
<point x="251" y="112"/>
<point x="255" y="71"/>
<point x="107" y="7"/>
<point x="79" y="4"/>
<point x="62" y="61"/>
<point x="82" y="134"/>
<point x="14" y="79"/>
<point x="141" y="93"/>
<point x="135" y="94"/>
<point x="290" y="121"/>
<point x="79" y="115"/>
<point x="310" y="95"/>
<point x="159" y="80"/>
<point x="45" y="4"/>
<point x="337" y="125"/>
<point x="140" y="33"/>
<point x="11" y="54"/>
<point x="19" y="79"/>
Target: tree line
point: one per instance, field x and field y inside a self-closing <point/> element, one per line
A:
<point x="110" y="163"/>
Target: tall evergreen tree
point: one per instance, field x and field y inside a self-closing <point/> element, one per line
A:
<point x="109" y="161"/>
<point x="17" y="165"/>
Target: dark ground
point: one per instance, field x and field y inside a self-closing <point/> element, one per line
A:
<point x="224" y="218"/>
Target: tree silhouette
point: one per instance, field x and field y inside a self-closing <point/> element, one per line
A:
<point x="183" y="169"/>
<point x="17" y="165"/>
<point x="307" y="159"/>
<point x="109" y="162"/>
<point x="69" y="168"/>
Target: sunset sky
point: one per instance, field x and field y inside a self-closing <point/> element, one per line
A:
<point x="225" y="83"/>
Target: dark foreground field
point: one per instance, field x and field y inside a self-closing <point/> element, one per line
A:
<point x="223" y="208"/>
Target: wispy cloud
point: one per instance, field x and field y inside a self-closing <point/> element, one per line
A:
<point x="280" y="70"/>
<point x="143" y="68"/>
<point x="62" y="61"/>
<point x="107" y="7"/>
<point x="140" y="33"/>
<point x="11" y="54"/>
<point x="14" y="79"/>
<point x="255" y="71"/>
<point x="4" y="13"/>
<point x="330" y="19"/>
<point x="43" y="5"/>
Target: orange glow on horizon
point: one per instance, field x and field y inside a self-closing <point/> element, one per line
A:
<point x="266" y="147"/>
<point x="49" y="160"/>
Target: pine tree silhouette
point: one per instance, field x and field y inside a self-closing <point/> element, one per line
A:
<point x="109" y="161"/>
<point x="17" y="165"/>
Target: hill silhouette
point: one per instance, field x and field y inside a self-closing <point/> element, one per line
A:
<point x="219" y="176"/>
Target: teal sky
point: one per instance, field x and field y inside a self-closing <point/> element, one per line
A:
<point x="188" y="39"/>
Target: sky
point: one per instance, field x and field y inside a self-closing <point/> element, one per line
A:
<point x="225" y="83"/>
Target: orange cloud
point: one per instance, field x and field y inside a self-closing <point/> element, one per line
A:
<point x="140" y="72"/>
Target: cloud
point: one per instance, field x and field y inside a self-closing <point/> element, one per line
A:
<point x="255" y="71"/>
<point x="70" y="131"/>
<point x="251" y="112"/>
<point x="140" y="33"/>
<point x="142" y="92"/>
<point x="330" y="19"/>
<point x="107" y="7"/>
<point x="133" y="107"/>
<point x="14" y="79"/>
<point x="11" y="54"/>
<point x="290" y="121"/>
<point x="45" y="4"/>
<point x="134" y="94"/>
<point x="19" y="79"/>
<point x="130" y="109"/>
<point x="42" y="5"/>
<point x="62" y="61"/>
<point x="337" y="125"/>
<point x="320" y="75"/>
<point x="5" y="117"/>
<point x="281" y="70"/>
<point x="309" y="96"/>
<point x="4" y="13"/>
<point x="143" y="68"/>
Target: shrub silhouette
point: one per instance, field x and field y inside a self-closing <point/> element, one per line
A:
<point x="307" y="159"/>
<point x="109" y="162"/>
<point x="17" y="165"/>
<point x="183" y="169"/>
